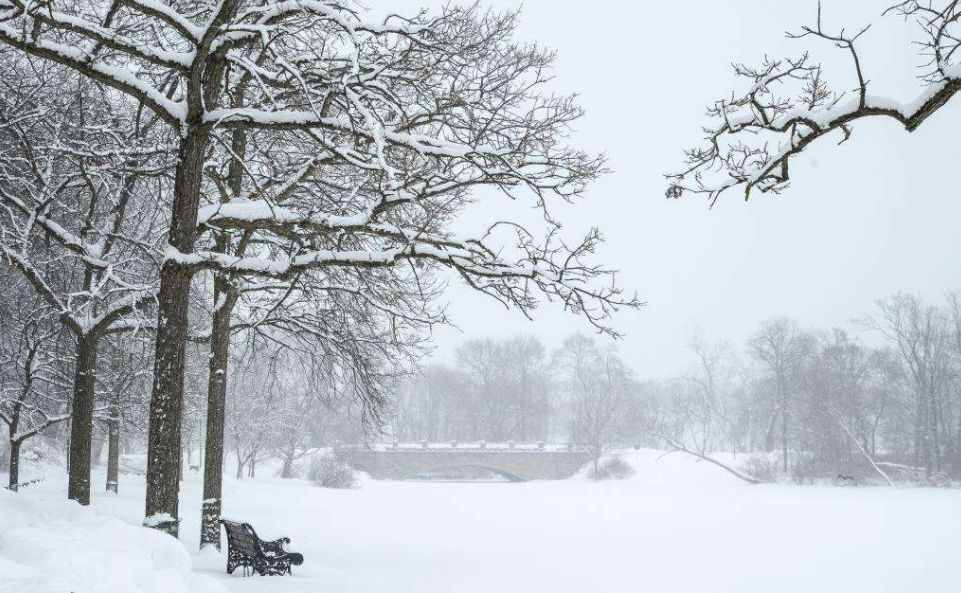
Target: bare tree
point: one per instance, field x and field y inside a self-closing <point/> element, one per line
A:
<point x="845" y="394"/>
<point x="70" y="222"/>
<point x="597" y="383"/>
<point x="529" y="382"/>
<point x="124" y="382"/>
<point x="362" y="327"/>
<point x="34" y="392"/>
<point x="251" y="413"/>
<point x="434" y="404"/>
<point x="954" y="312"/>
<point x="781" y="347"/>
<point x="487" y="411"/>
<point x="712" y="382"/>
<point x="422" y="110"/>
<point x="499" y="391"/>
<point x="920" y="333"/>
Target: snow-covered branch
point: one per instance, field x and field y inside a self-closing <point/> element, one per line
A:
<point x="788" y="106"/>
<point x="677" y="446"/>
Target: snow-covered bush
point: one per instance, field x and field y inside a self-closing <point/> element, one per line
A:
<point x="328" y="470"/>
<point x="611" y="468"/>
<point x="805" y="468"/>
<point x="939" y="480"/>
<point x="760" y="467"/>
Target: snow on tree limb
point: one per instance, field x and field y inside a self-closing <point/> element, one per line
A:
<point x="864" y="453"/>
<point x="31" y="386"/>
<point x="679" y="447"/>
<point x="383" y="108"/>
<point x="64" y="205"/>
<point x="319" y="113"/>
<point x="119" y="78"/>
<point x="788" y="106"/>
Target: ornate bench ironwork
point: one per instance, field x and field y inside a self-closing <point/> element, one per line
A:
<point x="254" y="555"/>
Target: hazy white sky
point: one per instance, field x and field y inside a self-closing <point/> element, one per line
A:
<point x="879" y="214"/>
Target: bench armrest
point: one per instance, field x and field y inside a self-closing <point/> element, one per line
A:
<point x="276" y="546"/>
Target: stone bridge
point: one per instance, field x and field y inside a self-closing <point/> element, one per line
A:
<point x="514" y="462"/>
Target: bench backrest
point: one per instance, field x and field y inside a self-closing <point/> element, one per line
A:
<point x="241" y="537"/>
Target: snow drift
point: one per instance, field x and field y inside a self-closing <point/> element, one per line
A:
<point x="49" y="545"/>
<point x="654" y="468"/>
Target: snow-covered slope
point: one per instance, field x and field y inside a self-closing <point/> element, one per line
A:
<point x="55" y="546"/>
<point x="676" y="470"/>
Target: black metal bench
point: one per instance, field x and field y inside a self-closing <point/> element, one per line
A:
<point x="255" y="555"/>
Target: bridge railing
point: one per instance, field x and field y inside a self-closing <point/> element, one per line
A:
<point x="473" y="446"/>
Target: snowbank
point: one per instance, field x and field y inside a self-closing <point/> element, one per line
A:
<point x="661" y="469"/>
<point x="50" y="545"/>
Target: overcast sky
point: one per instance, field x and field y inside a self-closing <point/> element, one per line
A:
<point x="879" y="214"/>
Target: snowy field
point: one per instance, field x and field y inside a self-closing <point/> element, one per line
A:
<point x="677" y="525"/>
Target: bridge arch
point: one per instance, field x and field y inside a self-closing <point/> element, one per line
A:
<point x="506" y="474"/>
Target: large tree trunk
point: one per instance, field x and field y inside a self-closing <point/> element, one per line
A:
<point x="166" y="403"/>
<point x="14" y="481"/>
<point x="81" y="422"/>
<point x="225" y="297"/>
<point x="216" y="398"/>
<point x="113" y="450"/>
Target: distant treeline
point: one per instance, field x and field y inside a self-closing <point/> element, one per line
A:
<point x="821" y="402"/>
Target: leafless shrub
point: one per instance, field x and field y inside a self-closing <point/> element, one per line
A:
<point x="328" y="470"/>
<point x="612" y="468"/>
<point x="761" y="468"/>
<point x="845" y="480"/>
<point x="805" y="469"/>
<point x="939" y="480"/>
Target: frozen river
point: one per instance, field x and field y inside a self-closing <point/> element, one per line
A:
<point x="676" y="526"/>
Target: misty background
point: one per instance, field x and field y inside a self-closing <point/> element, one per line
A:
<point x="859" y="222"/>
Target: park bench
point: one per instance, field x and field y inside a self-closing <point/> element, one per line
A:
<point x="246" y="550"/>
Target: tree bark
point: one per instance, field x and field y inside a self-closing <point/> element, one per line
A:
<point x="81" y="422"/>
<point x="113" y="450"/>
<point x="225" y="297"/>
<point x="14" y="481"/>
<point x="216" y="400"/>
<point x="166" y="403"/>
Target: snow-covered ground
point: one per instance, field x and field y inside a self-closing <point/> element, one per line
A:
<point x="677" y="525"/>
